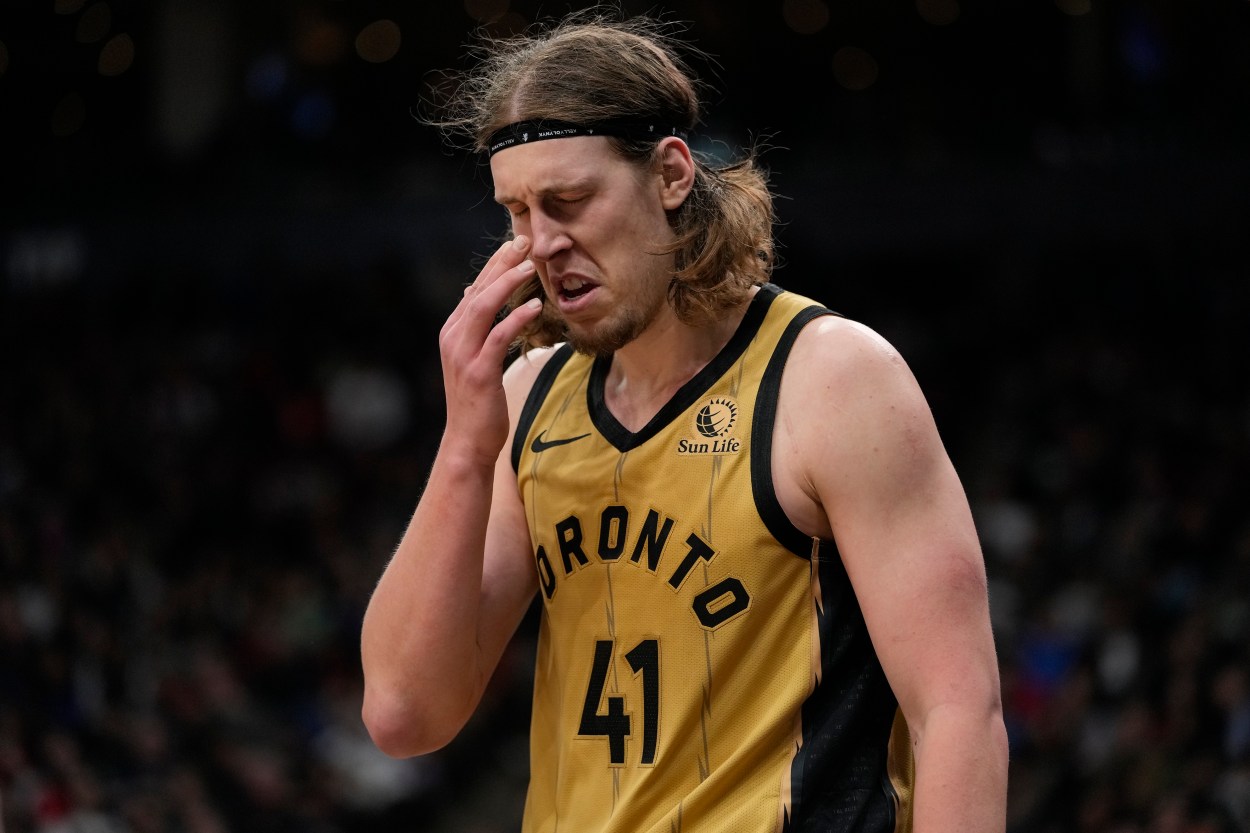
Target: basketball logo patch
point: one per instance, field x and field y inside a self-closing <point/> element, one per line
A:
<point x="714" y="423"/>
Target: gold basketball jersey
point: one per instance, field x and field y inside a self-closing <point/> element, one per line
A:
<point x="703" y="666"/>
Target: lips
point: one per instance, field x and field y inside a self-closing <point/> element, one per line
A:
<point x="571" y="287"/>
<point x="574" y="287"/>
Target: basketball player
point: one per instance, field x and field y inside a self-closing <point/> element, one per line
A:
<point x="763" y="600"/>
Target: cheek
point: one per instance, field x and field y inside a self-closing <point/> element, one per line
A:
<point x="621" y="231"/>
<point x="644" y="221"/>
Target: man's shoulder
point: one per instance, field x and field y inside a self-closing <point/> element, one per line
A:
<point x="526" y="368"/>
<point x="840" y="344"/>
<point x="845" y="365"/>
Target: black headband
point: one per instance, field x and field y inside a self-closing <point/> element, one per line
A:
<point x="536" y="130"/>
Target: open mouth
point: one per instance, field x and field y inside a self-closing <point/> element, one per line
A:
<point x="571" y="288"/>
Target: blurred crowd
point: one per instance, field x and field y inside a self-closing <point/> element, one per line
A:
<point x="200" y="481"/>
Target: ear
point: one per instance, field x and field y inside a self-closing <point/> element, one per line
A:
<point x="677" y="171"/>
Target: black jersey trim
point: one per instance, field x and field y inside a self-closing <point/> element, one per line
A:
<point x="762" y="486"/>
<point x="893" y="801"/>
<point x="619" y="436"/>
<point x="534" y="401"/>
<point x="839" y="772"/>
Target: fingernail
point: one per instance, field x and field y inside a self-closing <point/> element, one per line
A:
<point x="534" y="303"/>
<point x="526" y="266"/>
<point x="520" y="242"/>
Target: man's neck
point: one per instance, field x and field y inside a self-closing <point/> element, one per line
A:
<point x="647" y="372"/>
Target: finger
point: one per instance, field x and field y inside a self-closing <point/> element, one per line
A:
<point x="477" y="312"/>
<point x="497" y="293"/>
<point x="482" y="307"/>
<point x="506" y="257"/>
<point x="505" y="333"/>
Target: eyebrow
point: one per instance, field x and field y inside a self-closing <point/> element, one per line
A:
<point x="550" y="190"/>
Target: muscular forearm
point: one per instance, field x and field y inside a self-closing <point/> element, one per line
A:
<point x="419" y="640"/>
<point x="428" y="641"/>
<point x="961" y="772"/>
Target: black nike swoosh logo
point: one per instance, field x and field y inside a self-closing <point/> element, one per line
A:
<point x="540" y="445"/>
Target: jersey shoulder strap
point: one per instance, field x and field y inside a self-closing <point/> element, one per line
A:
<point x="537" y="395"/>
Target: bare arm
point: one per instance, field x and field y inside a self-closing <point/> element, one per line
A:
<point x="462" y="577"/>
<point x="901" y="520"/>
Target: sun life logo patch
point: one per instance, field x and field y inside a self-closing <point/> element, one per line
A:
<point x="714" y="423"/>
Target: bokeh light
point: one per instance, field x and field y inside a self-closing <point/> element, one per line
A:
<point x="807" y="17"/>
<point x="1142" y="48"/>
<point x="486" y="11"/>
<point x="117" y="55"/>
<point x="313" y="115"/>
<point x="854" y="69"/>
<point x="267" y="76"/>
<point x="320" y="42"/>
<point x="378" y="42"/>
<point x="69" y="115"/>
<point x="1076" y="8"/>
<point x="938" y="12"/>
<point x="94" y="24"/>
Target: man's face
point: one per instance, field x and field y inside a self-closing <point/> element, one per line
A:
<point x="597" y="224"/>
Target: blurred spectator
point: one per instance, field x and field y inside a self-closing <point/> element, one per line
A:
<point x="192" y="517"/>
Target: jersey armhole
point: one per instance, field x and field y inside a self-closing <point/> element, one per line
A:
<point x="762" y="486"/>
<point x="534" y="401"/>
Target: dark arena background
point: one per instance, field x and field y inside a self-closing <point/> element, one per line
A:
<point x="226" y="248"/>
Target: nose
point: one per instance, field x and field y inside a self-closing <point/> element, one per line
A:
<point x="549" y="236"/>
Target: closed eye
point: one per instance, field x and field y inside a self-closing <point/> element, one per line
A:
<point x="565" y="205"/>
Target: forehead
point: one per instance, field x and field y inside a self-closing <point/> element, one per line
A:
<point x="550" y="163"/>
